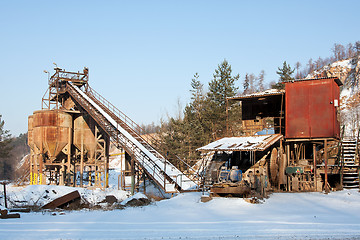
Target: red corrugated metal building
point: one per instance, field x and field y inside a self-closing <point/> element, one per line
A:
<point x="311" y="108"/>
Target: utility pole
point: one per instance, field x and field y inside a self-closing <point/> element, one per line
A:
<point x="5" y="198"/>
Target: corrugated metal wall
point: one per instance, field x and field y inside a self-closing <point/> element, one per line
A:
<point x="311" y="110"/>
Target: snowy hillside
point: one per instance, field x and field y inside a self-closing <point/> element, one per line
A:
<point x="282" y="216"/>
<point x="348" y="71"/>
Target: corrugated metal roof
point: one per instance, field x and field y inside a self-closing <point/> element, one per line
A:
<point x="266" y="93"/>
<point x="251" y="143"/>
<point x="336" y="79"/>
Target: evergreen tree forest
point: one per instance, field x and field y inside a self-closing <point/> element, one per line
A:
<point x="5" y="149"/>
<point x="208" y="117"/>
<point x="12" y="150"/>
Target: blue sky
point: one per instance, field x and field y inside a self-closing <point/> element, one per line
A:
<point x="143" y="54"/>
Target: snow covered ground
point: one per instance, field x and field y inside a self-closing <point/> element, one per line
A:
<point x="282" y="216"/>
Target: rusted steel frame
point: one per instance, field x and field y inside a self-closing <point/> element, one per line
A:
<point x="320" y="140"/>
<point x="101" y="161"/>
<point x="69" y="76"/>
<point x="115" y="134"/>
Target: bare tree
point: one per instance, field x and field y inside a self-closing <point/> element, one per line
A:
<point x="310" y="65"/>
<point x="357" y="48"/>
<point x="349" y="50"/>
<point x="319" y="63"/>
<point x="261" y="79"/>
<point x="339" y="52"/>
<point x="252" y="82"/>
<point x="297" y="67"/>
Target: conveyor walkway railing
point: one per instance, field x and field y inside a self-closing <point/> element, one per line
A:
<point x="117" y="126"/>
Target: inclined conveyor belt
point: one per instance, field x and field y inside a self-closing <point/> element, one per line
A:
<point x="166" y="175"/>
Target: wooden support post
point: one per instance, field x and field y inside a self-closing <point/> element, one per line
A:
<point x="121" y="169"/>
<point x="132" y="175"/>
<point x="327" y="190"/>
<point x="74" y="167"/>
<point x="288" y="154"/>
<point x="106" y="163"/>
<point x="281" y="114"/>
<point x="62" y="172"/>
<point x="144" y="179"/>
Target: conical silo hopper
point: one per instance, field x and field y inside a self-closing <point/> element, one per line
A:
<point x="52" y="131"/>
<point x="83" y="134"/>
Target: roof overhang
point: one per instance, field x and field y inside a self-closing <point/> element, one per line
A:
<point x="267" y="93"/>
<point x="250" y="143"/>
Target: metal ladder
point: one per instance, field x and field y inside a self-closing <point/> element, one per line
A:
<point x="350" y="167"/>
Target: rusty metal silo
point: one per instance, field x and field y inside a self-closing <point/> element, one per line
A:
<point x="52" y="131"/>
<point x="84" y="137"/>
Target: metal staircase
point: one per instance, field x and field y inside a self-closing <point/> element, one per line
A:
<point x="125" y="133"/>
<point x="350" y="166"/>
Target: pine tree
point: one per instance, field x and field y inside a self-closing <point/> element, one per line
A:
<point x="220" y="88"/>
<point x="197" y="94"/>
<point x="181" y="136"/>
<point x="4" y="140"/>
<point x="172" y="138"/>
<point x="246" y="84"/>
<point x="5" y="148"/>
<point x="195" y="122"/>
<point x="285" y="75"/>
